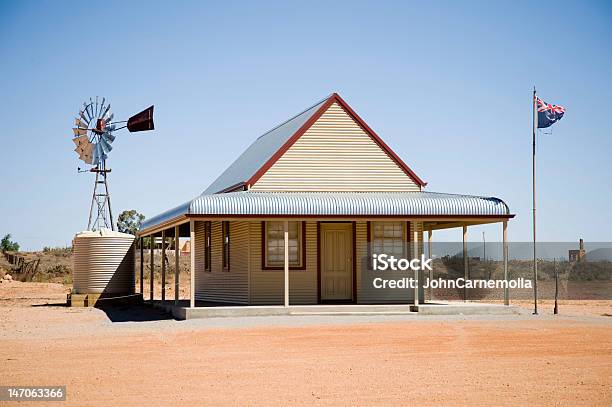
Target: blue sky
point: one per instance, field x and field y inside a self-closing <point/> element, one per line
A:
<point x="446" y="84"/>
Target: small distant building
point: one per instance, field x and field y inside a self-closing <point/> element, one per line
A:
<point x="577" y="255"/>
<point x="186" y="248"/>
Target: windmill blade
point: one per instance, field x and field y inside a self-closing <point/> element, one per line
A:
<point x="79" y="132"/>
<point x="102" y="107"/>
<point x="106" y="146"/>
<point x="97" y="111"/>
<point x="81" y="141"/>
<point x="96" y="153"/>
<point x="85" y="154"/>
<point x="85" y="119"/>
<point x="86" y="158"/>
<point x="86" y="110"/>
<point x="89" y="109"/>
<point x="110" y="128"/>
<point x="105" y="112"/>
<point x="80" y="124"/>
<point x="82" y="144"/>
<point x="109" y="137"/>
<point x="91" y="105"/>
<point x="80" y="151"/>
<point x="110" y="117"/>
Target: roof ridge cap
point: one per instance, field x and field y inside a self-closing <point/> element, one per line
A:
<point x="250" y="191"/>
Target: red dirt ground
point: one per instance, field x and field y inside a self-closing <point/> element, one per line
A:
<point x="519" y="360"/>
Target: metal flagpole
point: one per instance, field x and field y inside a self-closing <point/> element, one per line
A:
<point x="535" y="259"/>
<point x="556" y="310"/>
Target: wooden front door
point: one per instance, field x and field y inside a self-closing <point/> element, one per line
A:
<point x="336" y="261"/>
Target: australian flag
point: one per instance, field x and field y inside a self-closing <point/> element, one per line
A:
<point x="548" y="114"/>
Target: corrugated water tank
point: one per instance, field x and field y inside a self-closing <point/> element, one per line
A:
<point x="104" y="263"/>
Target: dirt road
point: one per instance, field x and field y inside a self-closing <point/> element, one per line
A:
<point x="150" y="360"/>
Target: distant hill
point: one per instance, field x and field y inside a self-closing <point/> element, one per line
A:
<point x="599" y="254"/>
<point x="524" y="250"/>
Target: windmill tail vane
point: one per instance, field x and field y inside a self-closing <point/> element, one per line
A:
<point x="93" y="137"/>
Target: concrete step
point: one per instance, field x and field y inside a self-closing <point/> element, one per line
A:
<point x="348" y="313"/>
<point x="468" y="309"/>
<point x="458" y="308"/>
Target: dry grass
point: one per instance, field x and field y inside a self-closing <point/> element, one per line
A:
<point x="55" y="266"/>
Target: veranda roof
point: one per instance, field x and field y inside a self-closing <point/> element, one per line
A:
<point x="330" y="204"/>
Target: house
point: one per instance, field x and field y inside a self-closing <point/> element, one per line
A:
<point x="295" y="218"/>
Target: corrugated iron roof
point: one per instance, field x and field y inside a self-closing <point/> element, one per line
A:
<point x="262" y="149"/>
<point x="166" y="216"/>
<point x="336" y="204"/>
<point x="257" y="158"/>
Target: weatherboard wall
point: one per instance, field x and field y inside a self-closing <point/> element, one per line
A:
<point x="246" y="282"/>
<point x="366" y="294"/>
<point x="267" y="286"/>
<point x="218" y="284"/>
<point x="335" y="154"/>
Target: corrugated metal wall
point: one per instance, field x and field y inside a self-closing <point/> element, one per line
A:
<point x="219" y="285"/>
<point x="267" y="285"/>
<point x="335" y="154"/>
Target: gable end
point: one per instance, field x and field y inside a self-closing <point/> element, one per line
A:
<point x="324" y="137"/>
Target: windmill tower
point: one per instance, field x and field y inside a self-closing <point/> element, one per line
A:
<point x="93" y="137"/>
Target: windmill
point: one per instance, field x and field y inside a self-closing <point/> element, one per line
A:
<point x="93" y="137"/>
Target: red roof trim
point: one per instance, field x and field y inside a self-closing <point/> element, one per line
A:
<point x="233" y="188"/>
<point x="264" y="216"/>
<point x="290" y="142"/>
<point x="334" y="98"/>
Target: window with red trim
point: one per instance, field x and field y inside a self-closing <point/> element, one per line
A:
<point x="274" y="245"/>
<point x="388" y="238"/>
